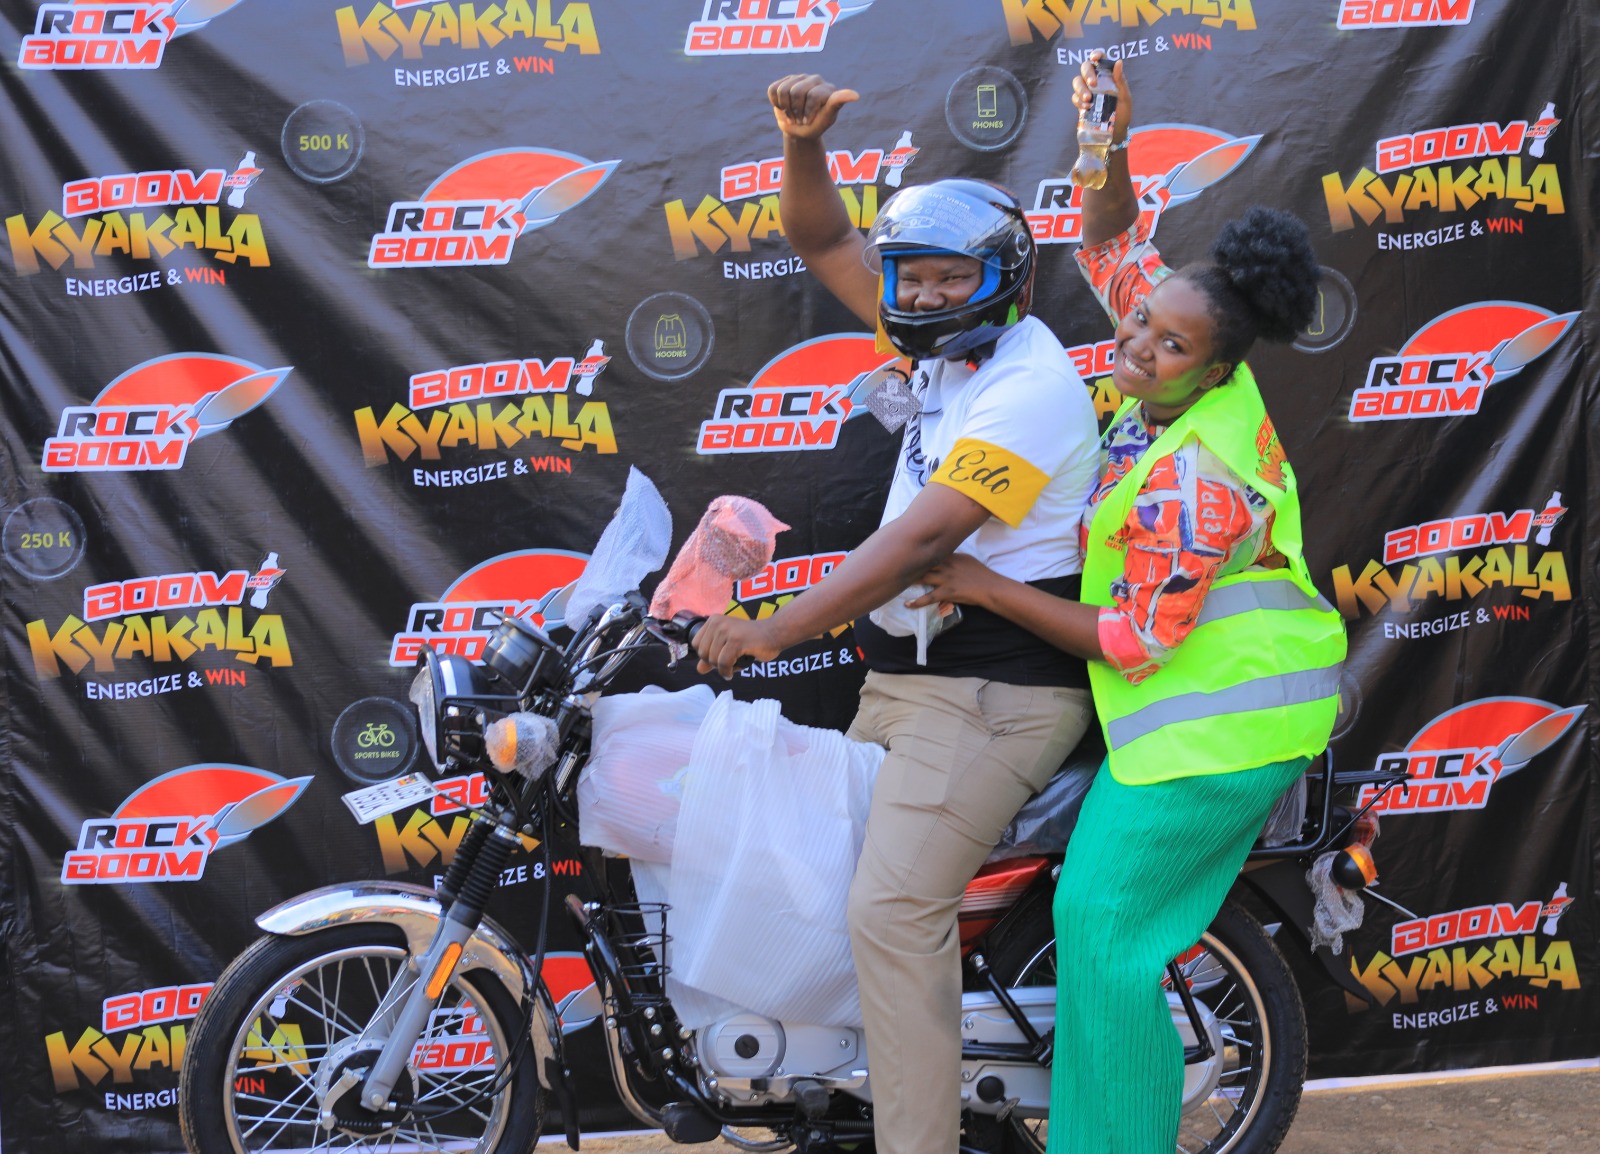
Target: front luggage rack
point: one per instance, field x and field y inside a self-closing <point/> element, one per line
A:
<point x="639" y="933"/>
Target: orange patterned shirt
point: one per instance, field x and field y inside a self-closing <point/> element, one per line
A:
<point x="1194" y="519"/>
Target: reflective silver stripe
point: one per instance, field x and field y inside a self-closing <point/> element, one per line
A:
<point x="1300" y="688"/>
<point x="1246" y="596"/>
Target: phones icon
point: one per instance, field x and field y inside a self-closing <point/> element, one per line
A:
<point x="988" y="101"/>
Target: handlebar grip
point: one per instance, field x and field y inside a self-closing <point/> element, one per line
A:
<point x="691" y="627"/>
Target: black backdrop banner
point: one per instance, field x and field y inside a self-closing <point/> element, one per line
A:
<point x="328" y="329"/>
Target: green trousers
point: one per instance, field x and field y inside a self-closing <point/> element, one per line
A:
<point x="1146" y="870"/>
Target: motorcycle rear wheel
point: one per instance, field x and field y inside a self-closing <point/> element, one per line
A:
<point x="1237" y="971"/>
<point x="284" y="1020"/>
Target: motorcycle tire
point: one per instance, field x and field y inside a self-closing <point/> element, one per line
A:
<point x="283" y="1022"/>
<point x="1238" y="972"/>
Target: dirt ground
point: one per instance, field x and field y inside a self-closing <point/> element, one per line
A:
<point x="1499" y="1113"/>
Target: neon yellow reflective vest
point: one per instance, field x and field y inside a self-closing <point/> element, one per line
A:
<point x="1257" y="679"/>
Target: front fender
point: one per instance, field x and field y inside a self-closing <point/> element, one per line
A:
<point x="415" y="911"/>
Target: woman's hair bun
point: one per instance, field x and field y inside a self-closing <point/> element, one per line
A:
<point x="1267" y="257"/>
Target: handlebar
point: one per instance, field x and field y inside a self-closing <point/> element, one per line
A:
<point x="683" y="628"/>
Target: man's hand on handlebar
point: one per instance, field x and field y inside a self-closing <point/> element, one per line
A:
<point x="722" y="641"/>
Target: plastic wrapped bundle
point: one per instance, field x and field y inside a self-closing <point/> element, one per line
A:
<point x="768" y="836"/>
<point x="634" y="545"/>
<point x="734" y="540"/>
<point x="631" y="789"/>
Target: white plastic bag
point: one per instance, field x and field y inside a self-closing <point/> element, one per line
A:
<point x="924" y="624"/>
<point x="767" y="841"/>
<point x="629" y="792"/>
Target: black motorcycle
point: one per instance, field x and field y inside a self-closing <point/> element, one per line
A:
<point x="385" y="1016"/>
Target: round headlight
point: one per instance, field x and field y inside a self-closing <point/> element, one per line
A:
<point x="422" y="696"/>
<point x="439" y="678"/>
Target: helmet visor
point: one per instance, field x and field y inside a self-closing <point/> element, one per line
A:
<point x="939" y="217"/>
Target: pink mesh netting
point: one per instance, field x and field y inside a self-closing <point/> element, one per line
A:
<point x="734" y="540"/>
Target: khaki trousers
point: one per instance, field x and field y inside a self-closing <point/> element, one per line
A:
<point x="964" y="754"/>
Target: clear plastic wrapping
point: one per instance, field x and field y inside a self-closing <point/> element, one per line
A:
<point x="1337" y="911"/>
<point x="523" y="743"/>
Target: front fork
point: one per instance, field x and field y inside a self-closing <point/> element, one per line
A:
<point x="401" y="1022"/>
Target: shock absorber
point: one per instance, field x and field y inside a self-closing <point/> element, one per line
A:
<point x="455" y="877"/>
<point x="482" y="872"/>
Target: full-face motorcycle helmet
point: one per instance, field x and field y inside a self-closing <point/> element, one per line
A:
<point x="965" y="218"/>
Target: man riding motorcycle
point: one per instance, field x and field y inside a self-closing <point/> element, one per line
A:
<point x="996" y="464"/>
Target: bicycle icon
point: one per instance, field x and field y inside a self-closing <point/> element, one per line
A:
<point x="376" y="733"/>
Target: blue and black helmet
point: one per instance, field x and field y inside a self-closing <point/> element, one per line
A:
<point x="966" y="218"/>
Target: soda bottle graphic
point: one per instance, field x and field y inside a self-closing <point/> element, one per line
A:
<point x="897" y="160"/>
<point x="1548" y="518"/>
<point x="266" y="577"/>
<point x="241" y="180"/>
<point x="1541" y="129"/>
<point x="593" y="361"/>
<point x="1555" y="907"/>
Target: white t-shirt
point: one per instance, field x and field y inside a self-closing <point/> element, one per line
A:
<point x="1018" y="435"/>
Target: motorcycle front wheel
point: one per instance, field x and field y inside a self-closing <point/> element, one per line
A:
<point x="281" y="1032"/>
<point x="1237" y="972"/>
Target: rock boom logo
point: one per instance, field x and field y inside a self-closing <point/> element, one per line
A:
<point x="1447" y="170"/>
<point x="475" y="212"/>
<point x="167" y="829"/>
<point x="766" y="27"/>
<point x="745" y="208"/>
<point x="1404" y="13"/>
<point x="384" y="31"/>
<point x="1455" y="760"/>
<point x="800" y="399"/>
<point x="1457" y="558"/>
<point x="1445" y="367"/>
<point x="532" y="584"/>
<point x="1171" y="164"/>
<point x="149" y="416"/>
<point x="126" y="215"/>
<point x="123" y="620"/>
<point x="112" y="34"/>
<point x="1028" y="20"/>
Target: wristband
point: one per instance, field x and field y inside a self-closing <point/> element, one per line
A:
<point x="1110" y="148"/>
